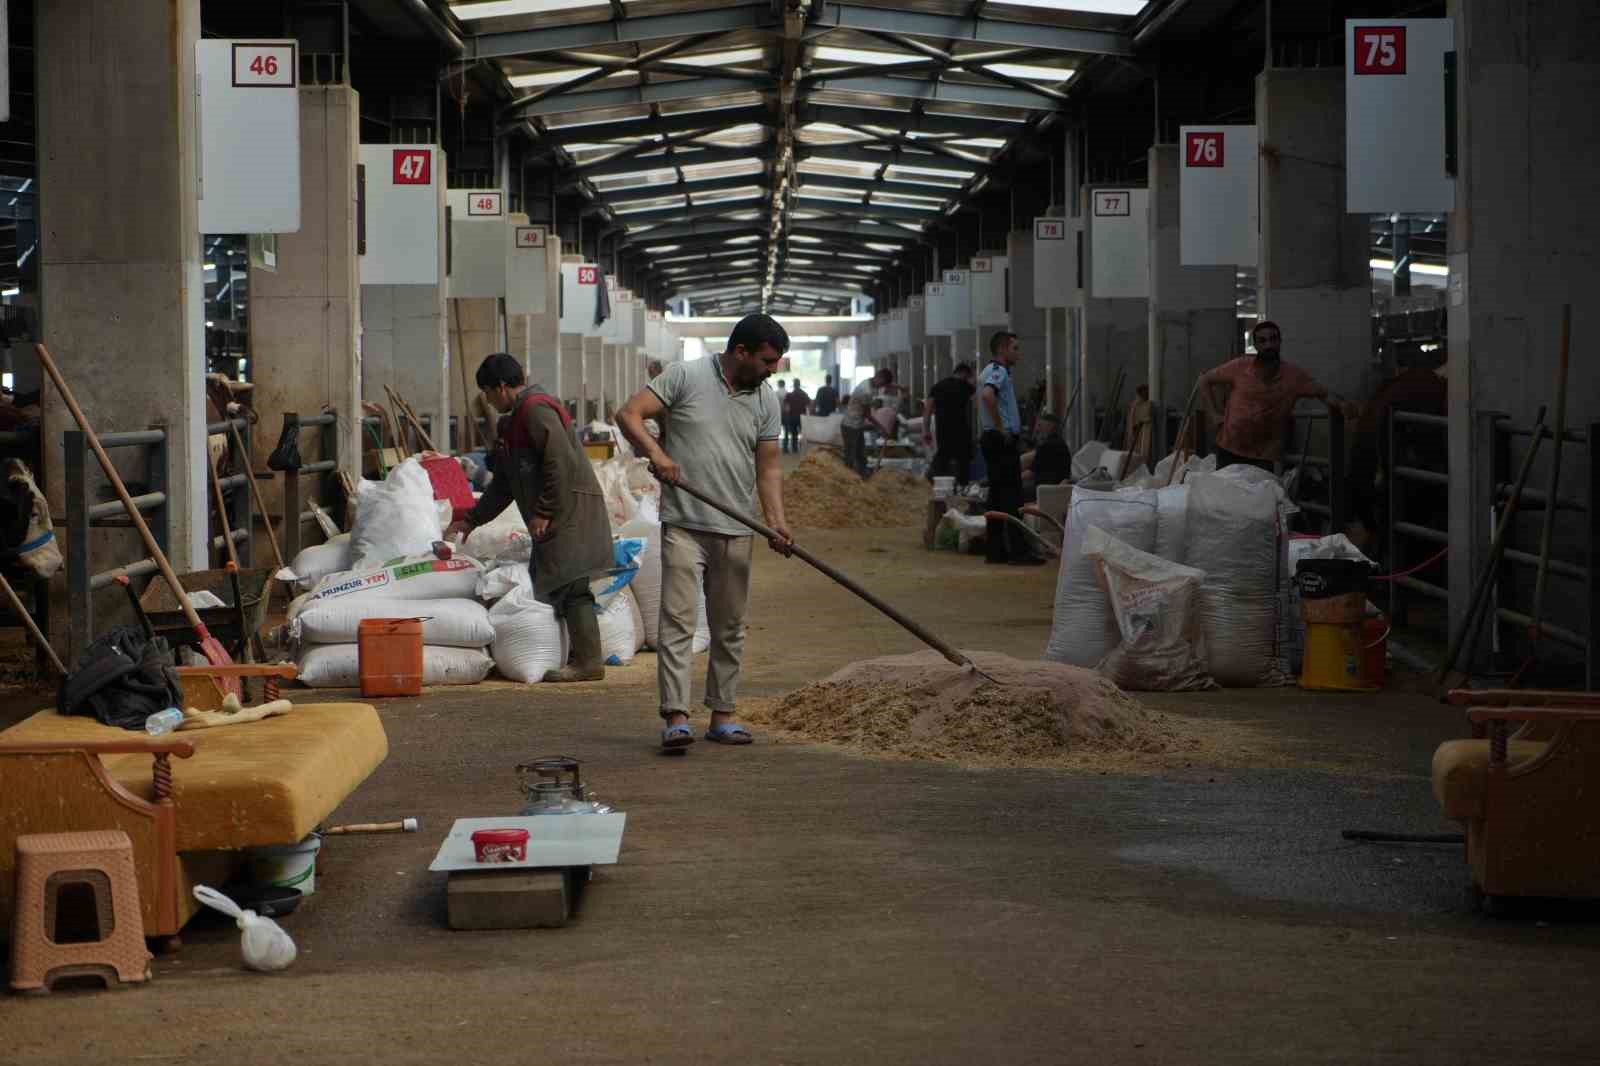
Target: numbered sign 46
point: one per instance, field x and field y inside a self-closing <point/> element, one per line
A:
<point x="1204" y="149"/>
<point x="483" y="203"/>
<point x="413" y="166"/>
<point x="1115" y="203"/>
<point x="1380" y="50"/>
<point x="530" y="237"/>
<point x="264" y="65"/>
<point x="1049" y="229"/>
<point x="588" y="275"/>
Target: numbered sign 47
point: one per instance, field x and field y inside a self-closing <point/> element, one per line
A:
<point x="1380" y="50"/>
<point x="1115" y="203"/>
<point x="1204" y="148"/>
<point x="413" y="166"/>
<point x="483" y="203"/>
<point x="263" y="65"/>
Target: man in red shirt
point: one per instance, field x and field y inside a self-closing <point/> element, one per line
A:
<point x="1260" y="392"/>
<point x="795" y="403"/>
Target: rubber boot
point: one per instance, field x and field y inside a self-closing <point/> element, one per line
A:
<point x="583" y="629"/>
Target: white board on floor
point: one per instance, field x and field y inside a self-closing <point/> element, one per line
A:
<point x="1219" y="207"/>
<point x="991" y="290"/>
<point x="580" y="288"/>
<point x="404" y="214"/>
<point x="248" y="170"/>
<point x="527" y="268"/>
<point x="1395" y="115"/>
<point x="1055" y="268"/>
<point x="1119" y="243"/>
<point x="477" y="243"/>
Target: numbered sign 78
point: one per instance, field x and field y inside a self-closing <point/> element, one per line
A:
<point x="1380" y="50"/>
<point x="1203" y="149"/>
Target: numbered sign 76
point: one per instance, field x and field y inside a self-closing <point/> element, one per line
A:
<point x="1203" y="149"/>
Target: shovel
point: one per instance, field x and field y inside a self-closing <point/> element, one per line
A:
<point x="842" y="578"/>
<point x="210" y="647"/>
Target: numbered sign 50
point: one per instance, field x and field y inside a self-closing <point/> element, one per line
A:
<point x="483" y="203"/>
<point x="1203" y="150"/>
<point x="263" y="65"/>
<point x="413" y="166"/>
<point x="588" y="275"/>
<point x="1049" y="229"/>
<point x="1113" y="204"/>
<point x="1380" y="50"/>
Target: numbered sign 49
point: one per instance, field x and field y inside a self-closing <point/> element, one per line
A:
<point x="1113" y="204"/>
<point x="483" y="203"/>
<point x="413" y="166"/>
<point x="265" y="65"/>
<point x="530" y="237"/>
<point x="1380" y="50"/>
<point x="1049" y="229"/>
<point x="588" y="275"/>
<point x="1204" y="149"/>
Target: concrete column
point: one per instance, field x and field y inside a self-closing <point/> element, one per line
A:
<point x="403" y="346"/>
<point x="593" y="379"/>
<point x="1027" y="321"/>
<point x="305" y="316"/>
<point x="1524" y="240"/>
<point x="964" y="346"/>
<point x="543" y="346"/>
<point x="1315" y="282"/>
<point x="569" y="369"/>
<point x="120" y="273"/>
<point x="1192" y="316"/>
<point x="474" y="330"/>
<point x="944" y="358"/>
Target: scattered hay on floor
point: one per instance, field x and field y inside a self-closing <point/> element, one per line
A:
<point x="920" y="706"/>
<point x="822" y="493"/>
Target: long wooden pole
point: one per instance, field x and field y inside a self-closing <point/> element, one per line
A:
<point x="33" y="627"/>
<point x="1536" y="624"/>
<point x="255" y="493"/>
<point x="222" y="511"/>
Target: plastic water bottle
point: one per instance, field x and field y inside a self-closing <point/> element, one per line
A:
<point x="163" y="722"/>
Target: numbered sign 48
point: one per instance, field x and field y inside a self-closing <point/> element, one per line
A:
<point x="483" y="203"/>
<point x="1113" y="204"/>
<point x="1204" y="149"/>
<point x="588" y="275"/>
<point x="1380" y="50"/>
<point x="264" y="65"/>
<point x="413" y="166"/>
<point x="1049" y="229"/>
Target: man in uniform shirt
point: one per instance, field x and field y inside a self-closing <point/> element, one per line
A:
<point x="1001" y="423"/>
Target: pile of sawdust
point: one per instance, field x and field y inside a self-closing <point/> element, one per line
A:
<point x="920" y="706"/>
<point x="822" y="493"/>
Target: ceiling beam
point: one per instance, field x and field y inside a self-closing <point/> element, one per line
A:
<point x="660" y="92"/>
<point x="746" y="16"/>
<point x="824" y="227"/>
<point x="692" y="186"/>
<point x="884" y="185"/>
<point x="597" y="132"/>
<point x="853" y="16"/>
<point x="633" y="160"/>
<point x="936" y="91"/>
<point x="890" y="119"/>
<point x="519" y="105"/>
<point x="674" y="232"/>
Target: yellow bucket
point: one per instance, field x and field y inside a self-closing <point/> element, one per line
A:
<point x="1333" y="658"/>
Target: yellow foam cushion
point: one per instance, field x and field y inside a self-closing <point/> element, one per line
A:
<point x="267" y="782"/>
<point x="1461" y="772"/>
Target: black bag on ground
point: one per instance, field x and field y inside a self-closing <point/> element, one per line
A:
<point x="122" y="678"/>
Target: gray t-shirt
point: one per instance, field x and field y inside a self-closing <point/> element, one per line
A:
<point x="859" y="405"/>
<point x="712" y="433"/>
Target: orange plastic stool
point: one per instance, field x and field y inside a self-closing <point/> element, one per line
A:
<point x="100" y="862"/>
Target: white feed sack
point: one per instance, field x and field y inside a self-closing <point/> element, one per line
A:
<point x="528" y="638"/>
<point x="504" y="539"/>
<point x="1153" y="603"/>
<point x="458" y="623"/>
<point x="339" y="666"/>
<point x="1084" y="629"/>
<point x="1232" y="534"/>
<point x="317" y="562"/>
<point x="420" y="577"/>
<point x="646" y="584"/>
<point x="395" y="516"/>
<point x="617" y="643"/>
<point x="815" y="429"/>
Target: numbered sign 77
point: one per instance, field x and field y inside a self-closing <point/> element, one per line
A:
<point x="1380" y="50"/>
<point x="1115" y="204"/>
<point x="413" y="166"/>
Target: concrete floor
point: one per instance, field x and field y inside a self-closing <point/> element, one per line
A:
<point x="790" y="903"/>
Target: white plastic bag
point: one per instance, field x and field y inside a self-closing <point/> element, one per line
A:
<point x="1084" y="630"/>
<point x="1232" y="534"/>
<point x="264" y="944"/>
<point x="616" y="631"/>
<point x="646" y="584"/>
<point x="504" y="579"/>
<point x="528" y="638"/>
<point x="339" y="666"/>
<point x="822" y="429"/>
<point x="503" y="540"/>
<point x="418" y="577"/>
<point x="317" y="562"/>
<point x="456" y="623"/>
<point x="395" y="516"/>
<point x="1153" y="603"/>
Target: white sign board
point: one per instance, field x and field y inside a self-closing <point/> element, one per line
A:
<point x="991" y="290"/>
<point x="1055" y="262"/>
<point x="478" y="240"/>
<point x="404" y="214"/>
<point x="916" y="321"/>
<point x="618" y="329"/>
<point x="579" y="290"/>
<point x="899" y="331"/>
<point x="1119" y="243"/>
<point x="1219" y="208"/>
<point x="248" y="170"/>
<point x="953" y="306"/>
<point x="1395" y="115"/>
<point x="933" y="310"/>
<point x="527" y="268"/>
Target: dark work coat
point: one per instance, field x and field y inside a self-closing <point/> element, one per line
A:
<point x="541" y="467"/>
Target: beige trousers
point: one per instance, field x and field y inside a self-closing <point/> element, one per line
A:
<point x="720" y="564"/>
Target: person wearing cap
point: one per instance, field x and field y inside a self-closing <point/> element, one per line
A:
<point x="1259" y="393"/>
<point x="721" y="437"/>
<point x="540" y="467"/>
<point x="1050" y="460"/>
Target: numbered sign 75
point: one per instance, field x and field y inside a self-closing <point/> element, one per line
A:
<point x="1380" y="50"/>
<point x="1203" y="149"/>
<point x="413" y="166"/>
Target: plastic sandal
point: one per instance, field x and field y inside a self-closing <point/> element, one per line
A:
<point x="677" y="736"/>
<point x="729" y="733"/>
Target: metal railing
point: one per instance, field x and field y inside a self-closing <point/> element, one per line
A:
<point x="296" y="513"/>
<point x="1330" y="508"/>
<point x="236" y="494"/>
<point x="1399" y="480"/>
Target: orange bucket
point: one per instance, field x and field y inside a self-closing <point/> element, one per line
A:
<point x="389" y="651"/>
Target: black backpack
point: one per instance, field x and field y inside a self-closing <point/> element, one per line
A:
<point x="121" y="679"/>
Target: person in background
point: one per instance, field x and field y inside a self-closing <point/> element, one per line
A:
<point x="1137" y="429"/>
<point x="653" y="369"/>
<point x="949" y="410"/>
<point x="1050" y="461"/>
<point x="721" y="437"/>
<point x="827" y="400"/>
<point x="853" y="428"/>
<point x="542" y="469"/>
<point x="1259" y="393"/>
<point x="1421" y="388"/>
<point x="795" y="405"/>
<point x="1002" y="456"/>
